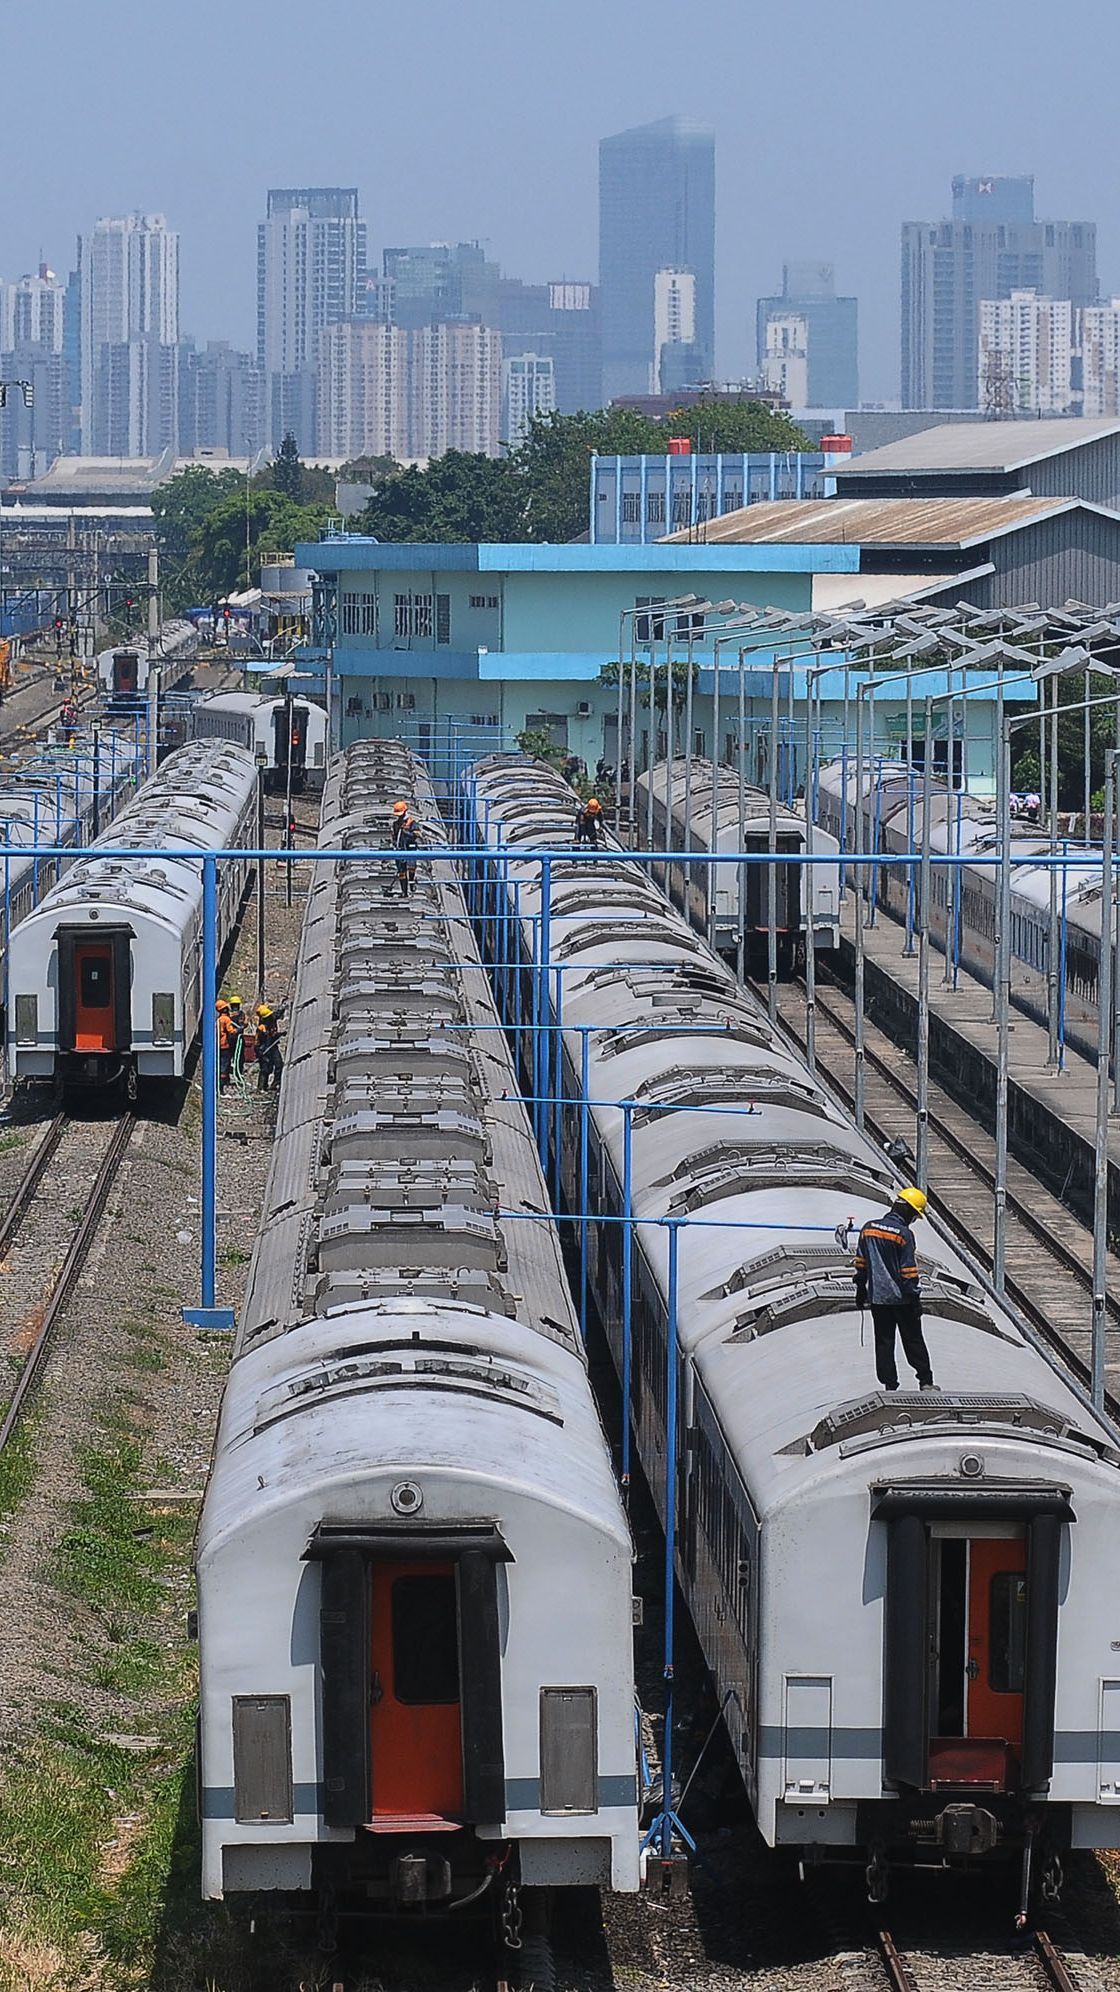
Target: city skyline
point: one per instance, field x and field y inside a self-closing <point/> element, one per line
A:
<point x="507" y="149"/>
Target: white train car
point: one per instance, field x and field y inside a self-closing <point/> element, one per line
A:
<point x="962" y="918"/>
<point x="742" y="822"/>
<point x="123" y="669"/>
<point x="276" y="727"/>
<point x="414" y="1569"/>
<point x="904" y="1598"/>
<point x="105" y="975"/>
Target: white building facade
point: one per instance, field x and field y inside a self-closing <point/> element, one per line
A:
<point x="1100" y="358"/>
<point x="384" y="390"/>
<point x="1026" y="354"/>
<point x="311" y="261"/>
<point x="129" y="337"/>
<point x="528" y="389"/>
<point x="674" y="317"/>
<point x="785" y="359"/>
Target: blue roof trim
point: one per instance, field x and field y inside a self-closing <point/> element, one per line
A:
<point x="363" y="556"/>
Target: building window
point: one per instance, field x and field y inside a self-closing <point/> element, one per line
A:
<point x="649" y="629"/>
<point x="412" y="615"/>
<point x="484" y="601"/>
<point x="443" y="618"/>
<point x="682" y="508"/>
<point x="655" y="508"/>
<point x="631" y="508"/>
<point x="359" y="614"/>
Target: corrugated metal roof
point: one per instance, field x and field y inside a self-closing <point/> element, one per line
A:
<point x="873" y="521"/>
<point x="954" y="446"/>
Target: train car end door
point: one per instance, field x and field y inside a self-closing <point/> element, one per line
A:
<point x="416" y="1747"/>
<point x="93" y="991"/>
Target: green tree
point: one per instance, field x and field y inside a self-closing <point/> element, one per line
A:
<point x="456" y="500"/>
<point x="713" y="425"/>
<point x="181" y="508"/>
<point x="245" y="529"/>
<point x="287" y="473"/>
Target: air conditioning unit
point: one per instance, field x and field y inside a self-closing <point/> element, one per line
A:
<point x="583" y="709"/>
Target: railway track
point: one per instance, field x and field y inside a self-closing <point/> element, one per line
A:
<point x="1049" y="1250"/>
<point x="64" y="1280"/>
<point x="1035" y="1968"/>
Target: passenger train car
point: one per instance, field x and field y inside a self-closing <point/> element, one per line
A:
<point x="105" y="975"/>
<point x="742" y="819"/>
<point x="963" y="922"/>
<point x="122" y="671"/>
<point x="414" y="1569"/>
<point x="53" y="804"/>
<point x="273" y="726"/>
<point x="906" y="1599"/>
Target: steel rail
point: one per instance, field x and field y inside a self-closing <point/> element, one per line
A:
<point x="68" y="1274"/>
<point x="1054" y="1964"/>
<point x="29" y="1182"/>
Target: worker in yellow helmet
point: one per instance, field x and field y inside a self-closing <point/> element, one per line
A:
<point x="886" y="1270"/>
<point x="270" y="1063"/>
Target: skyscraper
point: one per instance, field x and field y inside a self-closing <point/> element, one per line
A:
<point x="991" y="246"/>
<point x="657" y="210"/>
<point x="31" y="313"/>
<point x="221" y="400"/>
<point x="809" y="320"/>
<point x="311" y="260"/>
<point x="419" y="391"/>
<point x="129" y="336"/>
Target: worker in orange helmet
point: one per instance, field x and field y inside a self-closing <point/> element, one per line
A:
<point x="405" y="839"/>
<point x="589" y="823"/>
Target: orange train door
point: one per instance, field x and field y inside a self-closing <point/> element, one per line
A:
<point x="997" y="1639"/>
<point x="415" y="1734"/>
<point x="94" y="997"/>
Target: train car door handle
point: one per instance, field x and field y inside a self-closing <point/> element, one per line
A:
<point x="972" y="1669"/>
<point x="376" y="1691"/>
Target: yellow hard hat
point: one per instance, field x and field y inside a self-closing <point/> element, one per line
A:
<point x="235" y="1002"/>
<point x="916" y="1199"/>
<point x="595" y="805"/>
<point x="264" y="1010"/>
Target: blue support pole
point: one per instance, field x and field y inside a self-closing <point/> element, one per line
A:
<point x="667" y="1823"/>
<point x="584" y="1082"/>
<point x="1063" y="937"/>
<point x="627" y="1284"/>
<point x="958" y="882"/>
<point x="554" y="1108"/>
<point x="208" y="1315"/>
<point x="544" y="957"/>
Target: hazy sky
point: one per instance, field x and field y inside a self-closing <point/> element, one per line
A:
<point x="834" y="121"/>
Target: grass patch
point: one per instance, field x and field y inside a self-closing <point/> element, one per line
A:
<point x="232" y="1255"/>
<point x="11" y="1141"/>
<point x="102" y="1558"/>
<point x="17" y="1468"/>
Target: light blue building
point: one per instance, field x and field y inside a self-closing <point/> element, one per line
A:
<point x="464" y="647"/>
<point x="636" y="500"/>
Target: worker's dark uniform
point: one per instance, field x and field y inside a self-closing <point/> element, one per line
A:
<point x="270" y="1059"/>
<point x="588" y="825"/>
<point x="887" y="1277"/>
<point x="406" y="837"/>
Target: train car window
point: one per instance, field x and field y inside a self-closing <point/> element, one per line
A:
<point x="1008" y="1637"/>
<point x="95" y="982"/>
<point x="425" y="1640"/>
